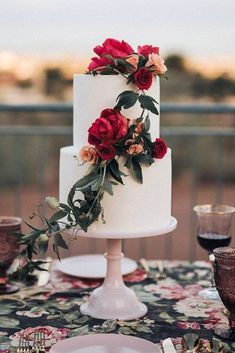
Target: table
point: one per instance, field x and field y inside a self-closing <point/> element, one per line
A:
<point x="174" y="308"/>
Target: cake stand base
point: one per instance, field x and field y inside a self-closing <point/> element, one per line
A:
<point x="113" y="300"/>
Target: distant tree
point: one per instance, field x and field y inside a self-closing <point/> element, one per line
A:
<point x="200" y="85"/>
<point x="176" y="62"/>
<point x="27" y="83"/>
<point x="221" y="87"/>
<point x="54" y="82"/>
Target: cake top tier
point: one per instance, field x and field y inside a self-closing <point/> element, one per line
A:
<point x="121" y="79"/>
<point x="93" y="94"/>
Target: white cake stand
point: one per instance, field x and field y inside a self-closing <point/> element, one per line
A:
<point x="113" y="300"/>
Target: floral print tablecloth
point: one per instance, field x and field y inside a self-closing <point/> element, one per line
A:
<point x="174" y="308"/>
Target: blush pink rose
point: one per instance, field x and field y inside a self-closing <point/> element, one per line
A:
<point x="157" y="62"/>
<point x="109" y="128"/>
<point x="133" y="60"/>
<point x="89" y="154"/>
<point x="135" y="149"/>
<point x="145" y="50"/>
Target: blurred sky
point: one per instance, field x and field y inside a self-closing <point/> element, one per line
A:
<point x="74" y="27"/>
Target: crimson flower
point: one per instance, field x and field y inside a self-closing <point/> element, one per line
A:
<point x="109" y="128"/>
<point x="114" y="47"/>
<point x="143" y="78"/>
<point x="159" y="148"/>
<point x="106" y="151"/>
<point x="97" y="63"/>
<point x="145" y="50"/>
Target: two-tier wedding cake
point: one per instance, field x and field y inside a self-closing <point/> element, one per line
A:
<point x="119" y="166"/>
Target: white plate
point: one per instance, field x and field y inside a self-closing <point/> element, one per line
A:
<point x="105" y="343"/>
<point x="91" y="266"/>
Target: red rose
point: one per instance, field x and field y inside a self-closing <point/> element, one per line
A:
<point x="106" y="151"/>
<point x="143" y="78"/>
<point x="145" y="50"/>
<point x="159" y="148"/>
<point x="97" y="63"/>
<point x="110" y="127"/>
<point x="115" y="48"/>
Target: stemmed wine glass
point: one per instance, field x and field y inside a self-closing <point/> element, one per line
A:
<point x="9" y="227"/>
<point x="224" y="272"/>
<point x="214" y="223"/>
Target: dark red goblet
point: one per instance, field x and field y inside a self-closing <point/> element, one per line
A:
<point x="224" y="272"/>
<point x="9" y="227"/>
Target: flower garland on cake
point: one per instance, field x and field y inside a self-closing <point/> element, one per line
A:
<point x="111" y="138"/>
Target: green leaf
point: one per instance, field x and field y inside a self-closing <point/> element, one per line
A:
<point x="191" y="342"/>
<point x="108" y="187"/>
<point x="144" y="158"/>
<point x="109" y="325"/>
<point x="36" y="265"/>
<point x="137" y="170"/>
<point x="147" y="102"/>
<point x="71" y="316"/>
<point x="7" y="322"/>
<point x="130" y="78"/>
<point x="96" y="186"/>
<point x="82" y="330"/>
<point x="113" y="168"/>
<point x="127" y="99"/>
<point x="86" y="181"/>
<point x="7" y="308"/>
<point x="113" y="182"/>
<point x="59" y="241"/>
<point x="143" y="328"/>
<point x="83" y="319"/>
<point x="58" y="215"/>
<point x="125" y="330"/>
<point x="128" y="162"/>
<point x="31" y="226"/>
<point x="70" y="197"/>
<point x="29" y="251"/>
<point x="32" y="236"/>
<point x="216" y="346"/>
<point x="65" y="207"/>
<point x="124" y="63"/>
<point x="147" y="123"/>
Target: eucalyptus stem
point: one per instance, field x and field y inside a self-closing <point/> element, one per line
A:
<point x="119" y="73"/>
<point x="142" y="114"/>
<point x="100" y="190"/>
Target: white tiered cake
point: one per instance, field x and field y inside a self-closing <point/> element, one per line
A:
<point x="135" y="209"/>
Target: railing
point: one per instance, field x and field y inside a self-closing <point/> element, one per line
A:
<point x="196" y="133"/>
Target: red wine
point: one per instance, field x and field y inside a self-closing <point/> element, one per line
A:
<point x="210" y="241"/>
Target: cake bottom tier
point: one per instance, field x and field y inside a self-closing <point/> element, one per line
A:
<point x="135" y="209"/>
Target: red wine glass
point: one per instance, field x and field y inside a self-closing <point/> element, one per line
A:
<point x="224" y="272"/>
<point x="9" y="227"/>
<point x="214" y="222"/>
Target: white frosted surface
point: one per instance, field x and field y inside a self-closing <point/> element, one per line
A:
<point x="134" y="208"/>
<point x="94" y="94"/>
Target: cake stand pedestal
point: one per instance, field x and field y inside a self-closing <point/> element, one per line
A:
<point x="114" y="300"/>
